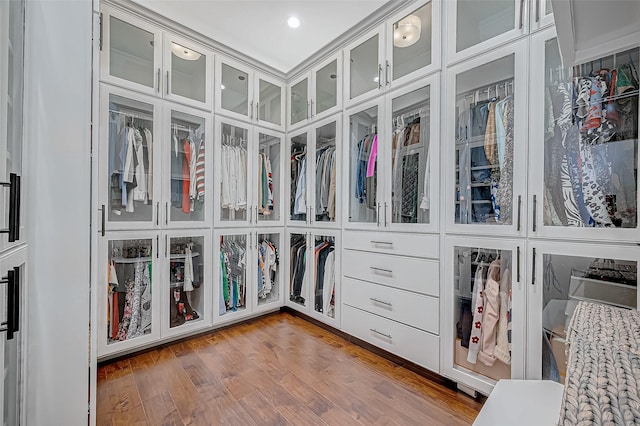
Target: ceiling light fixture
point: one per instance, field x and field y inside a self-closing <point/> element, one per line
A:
<point x="407" y="31"/>
<point x="184" y="53"/>
<point x="293" y="22"/>
<point x="222" y="87"/>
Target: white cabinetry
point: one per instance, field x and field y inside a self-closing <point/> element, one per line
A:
<point x="139" y="55"/>
<point x="403" y="48"/>
<point x="246" y="94"/>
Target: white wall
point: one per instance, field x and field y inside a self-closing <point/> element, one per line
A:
<point x="56" y="185"/>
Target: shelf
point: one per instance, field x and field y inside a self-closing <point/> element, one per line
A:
<point x="131" y="259"/>
<point x="183" y="256"/>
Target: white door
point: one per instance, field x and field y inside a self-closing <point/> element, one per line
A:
<point x="299" y="166"/>
<point x="541" y="14"/>
<point x="325" y="190"/>
<point x="561" y="275"/>
<point x="269" y="259"/>
<point x="325" y="281"/>
<point x="234" y="260"/>
<point x="485" y="136"/>
<point x="234" y="89"/>
<point x="270" y="102"/>
<point x="268" y="193"/>
<point x="364" y="67"/>
<point x="483" y="311"/>
<point x="327" y="87"/>
<point x="298" y="269"/>
<point x="187" y="181"/>
<point x="585" y="181"/>
<point x="299" y="102"/>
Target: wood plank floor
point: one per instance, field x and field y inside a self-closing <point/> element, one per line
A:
<point x="279" y="369"/>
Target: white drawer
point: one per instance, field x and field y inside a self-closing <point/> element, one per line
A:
<point x="416" y="245"/>
<point x="410" y="343"/>
<point x="408" y="273"/>
<point x="408" y="308"/>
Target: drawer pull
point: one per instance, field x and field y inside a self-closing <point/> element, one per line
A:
<point x="387" y="243"/>
<point x="373" y="299"/>
<point x="388" y="271"/>
<point x="373" y="330"/>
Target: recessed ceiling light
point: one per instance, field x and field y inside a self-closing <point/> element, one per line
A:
<point x="293" y="22"/>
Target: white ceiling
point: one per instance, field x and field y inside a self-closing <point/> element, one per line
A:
<point x="259" y="28"/>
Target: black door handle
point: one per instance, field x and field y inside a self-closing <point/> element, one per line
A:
<point x="14" y="207"/>
<point x="13" y="302"/>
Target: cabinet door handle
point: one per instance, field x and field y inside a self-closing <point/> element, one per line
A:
<point x="373" y="299"/>
<point x="257" y="217"/>
<point x="13" y="230"/>
<point x="103" y="214"/>
<point x="535" y="212"/>
<point x="518" y="265"/>
<point x="385" y="214"/>
<point x="521" y="14"/>
<point x="257" y="111"/>
<point x="519" y="209"/>
<point x="251" y="111"/>
<point x="166" y="213"/>
<point x="533" y="271"/>
<point x="537" y="10"/>
<point x="157" y="247"/>
<point x="388" y="336"/>
<point x="387" y="72"/>
<point x="12" y="325"/>
<point x="376" y="269"/>
<point x="388" y="243"/>
<point x="379" y="76"/>
<point x="159" y="80"/>
<point x="378" y="215"/>
<point x="158" y="213"/>
<point x="311" y="108"/>
<point x="167" y="83"/>
<point x="308" y="107"/>
<point x="166" y="250"/>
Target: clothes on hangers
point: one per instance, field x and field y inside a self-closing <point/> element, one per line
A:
<point x="187" y="172"/>
<point x="324" y="279"/>
<point x="265" y="185"/>
<point x="268" y="261"/>
<point x="325" y="175"/>
<point x="233" y="258"/>
<point x="233" y="195"/>
<point x="298" y="269"/>
<point x="366" y="166"/>
<point x="299" y="183"/>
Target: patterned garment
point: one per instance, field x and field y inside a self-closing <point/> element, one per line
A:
<point x="200" y="173"/>
<point x="504" y="196"/>
<point x="410" y="166"/>
<point x="476" y="326"/>
<point x="570" y="205"/>
<point x="594" y="197"/>
<point x="490" y="136"/>
<point x="136" y="302"/>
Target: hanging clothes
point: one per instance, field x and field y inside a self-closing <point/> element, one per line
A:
<point x="234" y="178"/>
<point x="233" y="259"/>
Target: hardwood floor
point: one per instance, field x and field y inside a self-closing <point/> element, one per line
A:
<point x="279" y="369"/>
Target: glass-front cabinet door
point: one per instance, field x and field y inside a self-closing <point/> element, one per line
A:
<point x="270" y="102"/>
<point x="561" y="276"/>
<point x="541" y="14"/>
<point x="188" y="71"/>
<point x="413" y="42"/>
<point x="364" y="193"/>
<point x="300" y="165"/>
<point x="327" y="87"/>
<point x="268" y="259"/>
<point x="363" y="67"/>
<point x="234" y="89"/>
<point x="268" y="164"/>
<point x="477" y="26"/>
<point x="232" y="259"/>
<point x="327" y="172"/>
<point x="11" y="120"/>
<point x="188" y="183"/>
<point x="129" y="308"/>
<point x="411" y="158"/>
<point x="298" y="255"/>
<point x="325" y="298"/>
<point x="187" y="286"/>
<point x="131" y="52"/>
<point x="486" y="143"/>
<point x="130" y="153"/>
<point x="586" y="181"/>
<point x="484" y="329"/>
<point x="299" y="102"/>
<point x="233" y="198"/>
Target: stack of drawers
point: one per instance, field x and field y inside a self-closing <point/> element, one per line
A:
<point x="390" y="293"/>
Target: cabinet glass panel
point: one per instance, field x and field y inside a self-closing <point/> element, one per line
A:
<point x="566" y="281"/>
<point x="268" y="266"/>
<point x="412" y="42"/>
<point x="410" y="198"/>
<point x="547" y="7"/>
<point x="187" y="167"/>
<point x="188" y="72"/>
<point x="483" y="315"/>
<point x="363" y="166"/>
<point x="186" y="278"/>
<point x="324" y="266"/>
<point x="233" y="163"/>
<point x="129" y="289"/>
<point x="325" y="179"/>
<point x="364" y="63"/>
<point x="298" y="268"/>
<point x="591" y="141"/>
<point x="235" y="90"/>
<point x="327" y="87"/>
<point x="484" y="144"/>
<point x="270" y="106"/>
<point x="233" y="273"/>
<point x="131" y="52"/>
<point x="299" y="101"/>
<point x="269" y="191"/>
<point x="479" y="21"/>
<point x="298" y="201"/>
<point x="131" y="144"/>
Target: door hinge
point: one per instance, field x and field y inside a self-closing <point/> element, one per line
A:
<point x="100" y="39"/>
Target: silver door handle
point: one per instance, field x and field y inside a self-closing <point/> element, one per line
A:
<point x="311" y="108"/>
<point x="521" y="13"/>
<point x="167" y="82"/>
<point x="251" y="110"/>
<point x="537" y="10"/>
<point x="308" y="107"/>
<point x="385" y="214"/>
<point x="157" y="247"/>
<point x="373" y="299"/>
<point x="158" y="82"/>
<point x="257" y="111"/>
<point x="158" y="213"/>
<point x="519" y="209"/>
<point x="166" y="250"/>
<point x="374" y="268"/>
<point x="166" y="213"/>
<point x="388" y="243"/>
<point x="379" y="76"/>
<point x="378" y="215"/>
<point x="533" y="271"/>
<point x="388" y="336"/>
<point x="387" y="72"/>
<point x="535" y="213"/>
